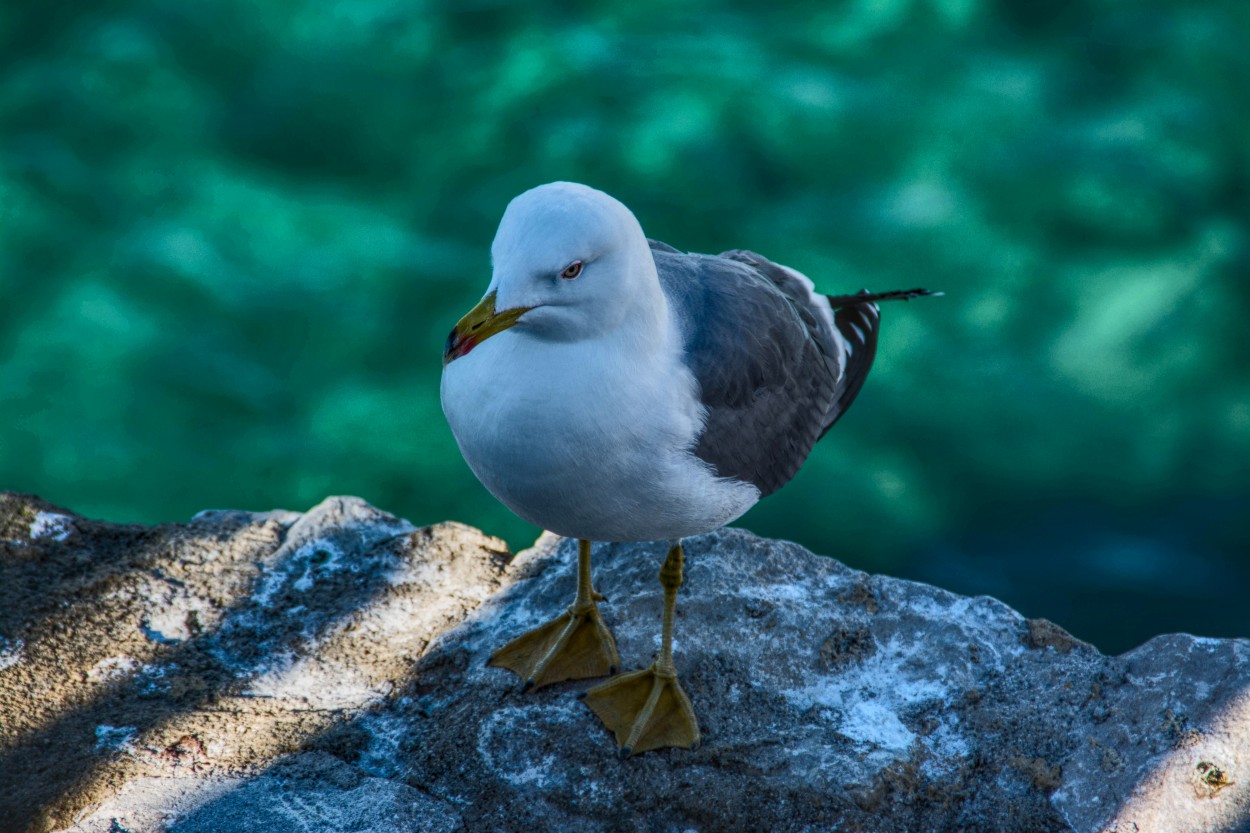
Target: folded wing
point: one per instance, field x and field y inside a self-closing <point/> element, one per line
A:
<point x="776" y="364"/>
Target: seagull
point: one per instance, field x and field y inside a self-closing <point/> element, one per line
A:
<point x="609" y="387"/>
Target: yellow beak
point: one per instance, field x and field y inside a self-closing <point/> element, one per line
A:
<point x="479" y="324"/>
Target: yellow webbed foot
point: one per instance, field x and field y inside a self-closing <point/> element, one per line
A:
<point x="574" y="646"/>
<point x="645" y="710"/>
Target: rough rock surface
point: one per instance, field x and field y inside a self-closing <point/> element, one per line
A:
<point x="326" y="671"/>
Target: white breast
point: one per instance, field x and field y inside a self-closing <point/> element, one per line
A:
<point x="589" y="439"/>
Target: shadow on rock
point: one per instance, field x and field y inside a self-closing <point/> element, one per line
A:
<point x="149" y="640"/>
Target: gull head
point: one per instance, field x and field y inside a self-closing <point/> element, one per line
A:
<point x="569" y="263"/>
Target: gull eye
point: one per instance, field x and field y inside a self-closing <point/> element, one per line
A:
<point x="572" y="270"/>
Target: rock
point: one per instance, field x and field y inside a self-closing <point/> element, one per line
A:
<point x="285" y="672"/>
<point x="147" y="670"/>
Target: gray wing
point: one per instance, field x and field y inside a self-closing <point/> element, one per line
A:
<point x="856" y="322"/>
<point x="771" y="371"/>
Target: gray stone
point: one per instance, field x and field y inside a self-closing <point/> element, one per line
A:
<point x="285" y="672"/>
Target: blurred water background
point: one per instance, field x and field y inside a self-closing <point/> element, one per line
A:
<point x="233" y="236"/>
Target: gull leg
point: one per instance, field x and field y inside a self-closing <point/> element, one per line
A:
<point x="573" y="646"/>
<point x="647" y="709"/>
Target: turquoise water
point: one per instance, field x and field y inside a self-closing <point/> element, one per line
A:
<point x="234" y="236"/>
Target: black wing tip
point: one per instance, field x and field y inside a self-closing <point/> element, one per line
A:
<point x="866" y="297"/>
<point x="857" y="323"/>
<point x="908" y="294"/>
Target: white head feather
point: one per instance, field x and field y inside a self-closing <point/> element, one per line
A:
<point x="548" y="228"/>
